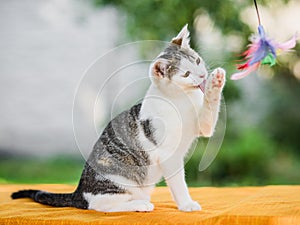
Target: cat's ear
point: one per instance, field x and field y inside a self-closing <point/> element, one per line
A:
<point x="183" y="38"/>
<point x="160" y="68"/>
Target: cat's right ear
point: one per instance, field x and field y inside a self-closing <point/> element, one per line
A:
<point x="183" y="38"/>
<point x="160" y="68"/>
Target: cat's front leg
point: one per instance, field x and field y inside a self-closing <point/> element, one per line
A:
<point x="178" y="187"/>
<point x="212" y="98"/>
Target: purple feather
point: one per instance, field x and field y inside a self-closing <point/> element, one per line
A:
<point x="265" y="47"/>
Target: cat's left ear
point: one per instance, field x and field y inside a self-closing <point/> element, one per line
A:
<point x="183" y="38"/>
<point x="159" y="68"/>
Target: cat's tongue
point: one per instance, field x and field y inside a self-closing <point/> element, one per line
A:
<point x="202" y="86"/>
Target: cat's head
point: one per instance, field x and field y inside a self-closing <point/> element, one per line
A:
<point x="179" y="65"/>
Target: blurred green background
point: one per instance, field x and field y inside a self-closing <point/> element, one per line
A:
<point x="261" y="145"/>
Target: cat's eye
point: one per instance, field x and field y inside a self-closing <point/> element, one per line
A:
<point x="198" y="60"/>
<point x="187" y="73"/>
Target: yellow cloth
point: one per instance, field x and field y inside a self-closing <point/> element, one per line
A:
<point x="243" y="205"/>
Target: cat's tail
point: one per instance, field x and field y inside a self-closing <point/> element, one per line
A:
<point x="46" y="198"/>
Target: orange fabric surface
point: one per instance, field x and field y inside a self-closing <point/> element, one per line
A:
<point x="243" y="205"/>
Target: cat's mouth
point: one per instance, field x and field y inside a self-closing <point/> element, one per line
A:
<point x="201" y="86"/>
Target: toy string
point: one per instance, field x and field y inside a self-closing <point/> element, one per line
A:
<point x="255" y="3"/>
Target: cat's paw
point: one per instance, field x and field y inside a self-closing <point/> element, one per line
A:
<point x="190" y="206"/>
<point x="217" y="79"/>
<point x="144" y="206"/>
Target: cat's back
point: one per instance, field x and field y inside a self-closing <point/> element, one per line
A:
<point x="121" y="133"/>
<point x="119" y="151"/>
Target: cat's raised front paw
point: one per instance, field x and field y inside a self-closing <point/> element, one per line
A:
<point x="217" y="78"/>
<point x="190" y="206"/>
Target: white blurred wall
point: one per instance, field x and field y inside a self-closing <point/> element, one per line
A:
<point x="45" y="46"/>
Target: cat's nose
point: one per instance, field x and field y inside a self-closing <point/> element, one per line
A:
<point x="202" y="76"/>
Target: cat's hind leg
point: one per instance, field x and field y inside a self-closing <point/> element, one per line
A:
<point x="117" y="203"/>
<point x="133" y="206"/>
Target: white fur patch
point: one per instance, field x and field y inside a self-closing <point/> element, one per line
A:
<point x="106" y="202"/>
<point x="117" y="203"/>
<point x="136" y="191"/>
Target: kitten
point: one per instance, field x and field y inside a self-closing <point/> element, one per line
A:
<point x="150" y="140"/>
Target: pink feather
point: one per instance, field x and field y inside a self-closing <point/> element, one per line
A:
<point x="245" y="72"/>
<point x="288" y="44"/>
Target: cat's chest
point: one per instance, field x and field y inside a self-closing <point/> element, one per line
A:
<point x="172" y="118"/>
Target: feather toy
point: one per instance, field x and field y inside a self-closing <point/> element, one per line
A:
<point x="261" y="51"/>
